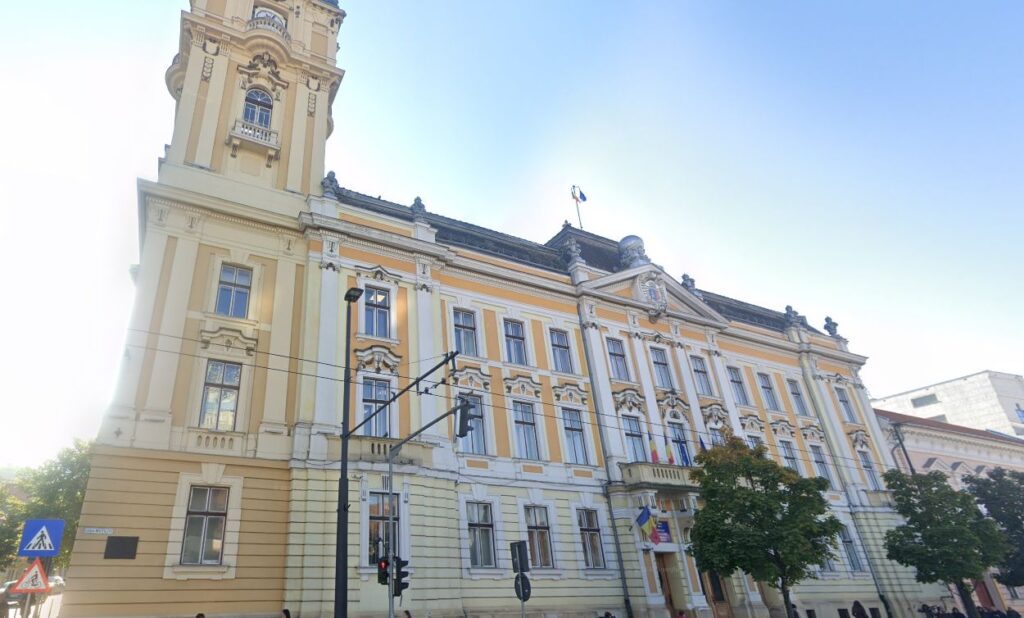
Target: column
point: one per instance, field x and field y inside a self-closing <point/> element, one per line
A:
<point x="330" y="347"/>
<point x="604" y="405"/>
<point x="691" y="395"/>
<point x="650" y="397"/>
<point x="833" y="427"/>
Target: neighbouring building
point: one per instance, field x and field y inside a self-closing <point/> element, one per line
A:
<point x="957" y="452"/>
<point x="985" y="400"/>
<point x="598" y="376"/>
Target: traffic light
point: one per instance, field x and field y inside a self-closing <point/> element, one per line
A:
<point x="382" y="571"/>
<point x="400" y="575"/>
<point x="465" y="416"/>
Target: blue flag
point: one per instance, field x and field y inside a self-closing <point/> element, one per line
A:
<point x="702" y="447"/>
<point x="583" y="198"/>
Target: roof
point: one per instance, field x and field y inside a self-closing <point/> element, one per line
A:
<point x="970" y="375"/>
<point x="906" y="419"/>
<point x="597" y="251"/>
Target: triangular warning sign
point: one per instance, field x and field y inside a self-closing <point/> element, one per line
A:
<point x="33" y="581"/>
<point x="40" y="542"/>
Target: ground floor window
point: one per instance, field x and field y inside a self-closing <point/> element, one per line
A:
<point x="590" y="533"/>
<point x="204" y="525"/>
<point x="481" y="534"/>
<point x="538" y="532"/>
<point x="379" y="533"/>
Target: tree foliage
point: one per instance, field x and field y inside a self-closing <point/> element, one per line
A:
<point x="1002" y="495"/>
<point x="946" y="537"/>
<point x="760" y="517"/>
<point x="11" y="518"/>
<point x="56" y="490"/>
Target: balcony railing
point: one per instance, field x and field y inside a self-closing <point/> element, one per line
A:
<point x="269" y="23"/>
<point x="365" y="448"/>
<point x="256" y="133"/>
<point x="642" y="473"/>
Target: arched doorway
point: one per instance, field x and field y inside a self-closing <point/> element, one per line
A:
<point x="717" y="593"/>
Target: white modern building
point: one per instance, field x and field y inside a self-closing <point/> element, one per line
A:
<point x="989" y="400"/>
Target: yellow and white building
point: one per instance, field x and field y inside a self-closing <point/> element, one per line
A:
<point x="598" y="376"/>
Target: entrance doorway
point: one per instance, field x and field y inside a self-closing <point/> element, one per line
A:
<point x="716" y="593"/>
<point x="666" y="584"/>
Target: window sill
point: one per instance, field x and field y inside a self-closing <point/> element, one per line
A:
<point x="368" y="337"/>
<point x="202" y="571"/>
<point x="564" y="374"/>
<point x="545" y="573"/>
<point x="598" y="574"/>
<point x="213" y="315"/>
<point x="521" y="365"/>
<point x="621" y="381"/>
<point x="486" y="573"/>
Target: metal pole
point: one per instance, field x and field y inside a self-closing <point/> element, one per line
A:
<point x="391" y="533"/>
<point x="341" y="552"/>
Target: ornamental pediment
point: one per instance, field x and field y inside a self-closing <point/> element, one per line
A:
<point x="229" y="340"/>
<point x="628" y="400"/>
<point x="377" y="359"/>
<point x="378" y="273"/>
<point x="672" y="403"/>
<point x="262" y="70"/>
<point x="471" y="378"/>
<point x="715" y="416"/>
<point x="570" y="394"/>
<point x="523" y="386"/>
<point x="812" y="433"/>
<point x="751" y="424"/>
<point x="783" y="428"/>
<point x="658" y="294"/>
<point x="859" y="439"/>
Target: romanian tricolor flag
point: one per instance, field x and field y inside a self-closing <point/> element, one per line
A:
<point x="668" y="449"/>
<point x="654" y="449"/>
<point x="648" y="525"/>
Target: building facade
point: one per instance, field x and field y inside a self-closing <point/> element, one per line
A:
<point x="597" y="375"/>
<point x="985" y="400"/>
<point x="957" y="452"/>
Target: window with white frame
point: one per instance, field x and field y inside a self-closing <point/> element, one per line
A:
<point x="377" y="312"/>
<point x="739" y="391"/>
<point x="798" y="398"/>
<point x="850" y="549"/>
<point x="575" y="443"/>
<point x="617" y="358"/>
<point x="717" y="437"/>
<point x="233" y="291"/>
<point x="465" y="332"/>
<point x="220" y="395"/>
<point x="205" y="524"/>
<point x="634" y="439"/>
<point x="379" y="535"/>
<point x="590" y="535"/>
<point x="481" y="534"/>
<point x="662" y="371"/>
<point x="701" y="377"/>
<point x="476" y="441"/>
<point x="258" y="107"/>
<point x="821" y="465"/>
<point x="677" y="434"/>
<point x="526" y="430"/>
<point x="869" y="470"/>
<point x="376" y="393"/>
<point x="538" y="532"/>
<point x="268" y="15"/>
<point x="789" y="455"/>
<point x="560" y="351"/>
<point x="515" y="342"/>
<point x="754" y="441"/>
<point x="844" y="403"/>
<point x="768" y="392"/>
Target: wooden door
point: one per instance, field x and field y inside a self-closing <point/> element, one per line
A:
<point x="717" y="595"/>
<point x="666" y="586"/>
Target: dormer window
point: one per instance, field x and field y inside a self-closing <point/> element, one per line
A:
<point x="258" y="107"/>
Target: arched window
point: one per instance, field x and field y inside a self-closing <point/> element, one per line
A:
<point x="258" y="106"/>
<point x="268" y="15"/>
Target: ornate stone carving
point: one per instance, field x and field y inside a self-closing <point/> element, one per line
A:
<point x="571" y="251"/>
<point x="378" y="359"/>
<point x="471" y="378"/>
<point x="672" y="403"/>
<point x="418" y="209"/>
<point x="715" y="416"/>
<point x="859" y="439"/>
<point x="263" y="69"/>
<point x="751" y="424"/>
<point x="628" y="399"/>
<point x="831" y="327"/>
<point x="223" y="339"/>
<point x="311" y="104"/>
<point x="523" y="386"/>
<point x="378" y="273"/>
<point x="570" y="394"/>
<point x="651" y="289"/>
<point x="782" y="427"/>
<point x="812" y="433"/>
<point x="794" y="319"/>
<point x="207" y="69"/>
<point x="330" y="186"/>
<point x="690" y="284"/>
<point x="631" y="252"/>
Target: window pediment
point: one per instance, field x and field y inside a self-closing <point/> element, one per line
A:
<point x="752" y="424"/>
<point x="812" y="433"/>
<point x="228" y="340"/>
<point x="262" y="70"/>
<point x="472" y="378"/>
<point x="715" y="415"/>
<point x="377" y="359"/>
<point x="783" y="428"/>
<point x="523" y="386"/>
<point x="570" y="394"/>
<point x="628" y="400"/>
<point x="859" y="439"/>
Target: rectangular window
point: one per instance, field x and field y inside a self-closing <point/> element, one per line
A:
<point x="379" y="534"/>
<point x="481" y="534"/>
<point x="662" y="372"/>
<point x="377" y="312"/>
<point x="376" y="393"/>
<point x="738" y="390"/>
<point x="926" y="400"/>
<point x="844" y="403"/>
<point x="678" y="436"/>
<point x="717" y="437"/>
<point x="850" y="550"/>
<point x="233" y="291"/>
<point x="1014" y="592"/>
<point x="634" y="439"/>
<point x="821" y="465"/>
<point x="617" y="356"/>
<point x="575" y="444"/>
<point x="475" y="442"/>
<point x="538" y="533"/>
<point x="526" y="430"/>
<point x="515" y="342"/>
<point x="700" y="374"/>
<point x="204" y="526"/>
<point x="220" y="395"/>
<point x="798" y="398"/>
<point x="869" y="470"/>
<point x="560" y="351"/>
<point x="590" y="534"/>
<point x="754" y="441"/>
<point x="465" y="332"/>
<point x="789" y="455"/>
<point x="768" y="392"/>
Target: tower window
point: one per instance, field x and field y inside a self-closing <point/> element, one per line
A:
<point x="258" y="106"/>
<point x="268" y="15"/>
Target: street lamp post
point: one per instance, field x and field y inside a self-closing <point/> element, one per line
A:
<point x="341" y="551"/>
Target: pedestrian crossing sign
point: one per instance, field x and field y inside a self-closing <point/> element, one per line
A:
<point x="41" y="538"/>
<point x="33" y="581"/>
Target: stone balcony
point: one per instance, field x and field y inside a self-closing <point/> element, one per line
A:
<point x="272" y="24"/>
<point x="643" y="474"/>
<point x="879" y="498"/>
<point x="263" y="139"/>
<point x="375" y="450"/>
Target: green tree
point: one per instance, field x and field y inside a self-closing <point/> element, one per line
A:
<point x="11" y="518"/>
<point x="56" y="490"/>
<point x="946" y="537"/>
<point x="1002" y="495"/>
<point x="761" y="518"/>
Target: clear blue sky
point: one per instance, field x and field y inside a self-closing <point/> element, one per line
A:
<point x="859" y="160"/>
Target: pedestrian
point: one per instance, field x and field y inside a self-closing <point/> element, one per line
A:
<point x="998" y="613"/>
<point x="1012" y="613"/>
<point x="407" y="614"/>
<point x="956" y="613"/>
<point x="608" y="615"/>
<point x="286" y="613"/>
<point x="858" y="610"/>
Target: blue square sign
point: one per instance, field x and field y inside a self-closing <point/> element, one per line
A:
<point x="41" y="538"/>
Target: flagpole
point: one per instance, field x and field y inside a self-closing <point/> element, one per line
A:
<point x="576" y="198"/>
<point x="580" y="219"/>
